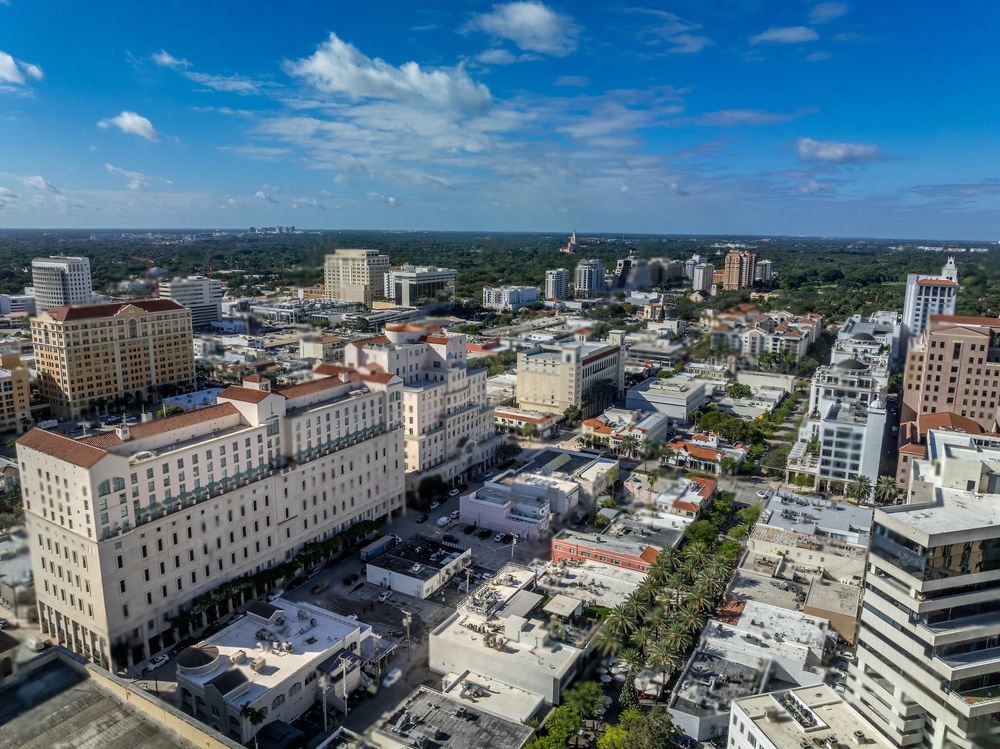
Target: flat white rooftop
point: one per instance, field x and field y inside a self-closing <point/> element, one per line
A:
<point x="953" y="511"/>
<point x="492" y="696"/>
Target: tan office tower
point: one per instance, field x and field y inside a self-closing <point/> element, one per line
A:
<point x="88" y="357"/>
<point x="355" y="275"/>
<point x="739" y="271"/>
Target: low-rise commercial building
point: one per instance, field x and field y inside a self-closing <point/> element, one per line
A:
<point x="516" y="419"/>
<point x="675" y="397"/>
<point x="418" y="567"/>
<point x="792" y="718"/>
<point x="500" y="630"/>
<point x="705" y="452"/>
<point x="509" y="298"/>
<point x="325" y="348"/>
<point x="521" y="510"/>
<point x="567" y="479"/>
<point x="631" y="543"/>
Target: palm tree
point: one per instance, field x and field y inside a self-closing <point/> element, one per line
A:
<point x="675" y="583"/>
<point x="647" y="589"/>
<point x="654" y="617"/>
<point x="663" y="565"/>
<point x="677" y="638"/>
<point x="631" y="660"/>
<point x="619" y="621"/>
<point x="607" y="644"/>
<point x="697" y="552"/>
<point x="255" y="715"/>
<point x="885" y="489"/>
<point x="628" y="445"/>
<point x="635" y="603"/>
<point x="700" y="598"/>
<point x="860" y="488"/>
<point x="664" y="659"/>
<point x="641" y="639"/>
<point x="691" y="618"/>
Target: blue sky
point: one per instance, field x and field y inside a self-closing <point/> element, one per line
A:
<point x="694" y="116"/>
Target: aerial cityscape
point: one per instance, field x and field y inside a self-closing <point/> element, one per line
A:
<point x="498" y="376"/>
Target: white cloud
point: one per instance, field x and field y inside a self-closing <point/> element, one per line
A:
<point x="825" y="12"/>
<point x="130" y="122"/>
<point x="786" y="35"/>
<point x="501" y="57"/>
<point x="687" y="44"/>
<point x="736" y="117"/>
<point x="819" y="56"/>
<point x="137" y="180"/>
<point x="813" y="187"/>
<point x="261" y="195"/>
<point x="380" y="198"/>
<point x="675" y="31"/>
<point x="308" y="203"/>
<point x="8" y="197"/>
<point x="13" y="71"/>
<point x="836" y="152"/>
<point x="338" y="67"/>
<point x="166" y="60"/>
<point x="579" y="81"/>
<point x="531" y="26"/>
<point x="232" y="83"/>
<point x="40" y="183"/>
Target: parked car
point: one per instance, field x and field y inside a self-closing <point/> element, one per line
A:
<point x="422" y="518"/>
<point x="455" y="514"/>
<point x="156" y="662"/>
<point x="453" y="492"/>
<point x="469" y="530"/>
<point x="435" y="505"/>
<point x="35" y="644"/>
<point x="498" y="538"/>
<point x="383" y="597"/>
<point x="313" y="574"/>
<point x="183" y="644"/>
<point x="448" y="538"/>
<point x="212" y="628"/>
<point x="443" y="521"/>
<point x="484" y="534"/>
<point x="352" y="578"/>
<point x="319" y="588"/>
<point x="296" y="582"/>
<point x="507" y="538"/>
<point x="761" y="494"/>
<point x="3" y="623"/>
<point x="391" y="678"/>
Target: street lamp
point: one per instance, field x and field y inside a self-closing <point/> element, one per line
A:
<point x="324" y="686"/>
<point x="513" y="545"/>
<point x="407" y="618"/>
<point x="343" y="666"/>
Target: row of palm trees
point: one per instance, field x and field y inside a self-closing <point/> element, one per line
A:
<point x="662" y="617"/>
<point x="884" y="490"/>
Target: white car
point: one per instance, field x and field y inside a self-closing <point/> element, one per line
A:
<point x="435" y="505"/>
<point x="383" y="597"/>
<point x="761" y="494"/>
<point x="34" y="644"/>
<point x="455" y="514"/>
<point x="155" y="663"/>
<point x="391" y="678"/>
<point x="453" y="493"/>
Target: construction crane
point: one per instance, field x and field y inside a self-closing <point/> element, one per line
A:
<point x="150" y="284"/>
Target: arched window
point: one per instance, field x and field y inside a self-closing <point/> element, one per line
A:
<point x="296" y="688"/>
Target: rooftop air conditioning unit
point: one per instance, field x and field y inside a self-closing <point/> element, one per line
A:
<point x="859" y="737"/>
<point x="239" y="656"/>
<point x="258" y="664"/>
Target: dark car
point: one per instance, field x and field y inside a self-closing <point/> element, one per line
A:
<point x="484" y="534"/>
<point x="212" y="628"/>
<point x="507" y="538"/>
<point x="469" y="530"/>
<point x="352" y="578"/>
<point x="422" y="518"/>
<point x="185" y="643"/>
<point x="448" y="538"/>
<point x="295" y="583"/>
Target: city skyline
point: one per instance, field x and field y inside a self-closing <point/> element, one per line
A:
<point x="829" y="119"/>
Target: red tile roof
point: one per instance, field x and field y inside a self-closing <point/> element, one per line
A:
<point x="680" y="504"/>
<point x="707" y="486"/>
<point x="413" y="328"/>
<point x="959" y="320"/>
<point x="383" y="377"/>
<point x="316" y="386"/>
<point x="159" y="426"/>
<point x="246" y="395"/>
<point x="649" y="555"/>
<point x="947" y="420"/>
<point x="63" y="448"/>
<point x="93" y="311"/>
<point x="365" y="341"/>
<point x="437" y="339"/>
<point x="254" y="378"/>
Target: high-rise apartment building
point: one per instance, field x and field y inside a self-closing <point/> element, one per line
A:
<point x="508" y="298"/>
<point x="589" y="278"/>
<point x="201" y="295"/>
<point x="663" y="271"/>
<point x="632" y="274"/>
<point x="929" y="295"/>
<point x="740" y="270"/>
<point x="61" y="281"/>
<point x="416" y="286"/>
<point x="927" y="672"/>
<point x="553" y="377"/>
<point x="954" y="367"/>
<point x="557" y="284"/>
<point x="128" y="527"/>
<point x="355" y="275"/>
<point x="88" y="357"/>
<point x="447" y="422"/>
<point x="703" y="277"/>
<point x="764" y="271"/>
<point x="15" y="394"/>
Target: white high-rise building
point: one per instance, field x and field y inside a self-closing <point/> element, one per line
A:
<point x="764" y="271"/>
<point x="61" y="281"/>
<point x="416" y="286"/>
<point x="703" y="277"/>
<point x="929" y="295"/>
<point x="557" y="284"/>
<point x="927" y="672"/>
<point x="201" y="295"/>
<point x="508" y="298"/>
<point x="589" y="279"/>
<point x="129" y="527"/>
<point x="355" y="275"/>
<point x="447" y="421"/>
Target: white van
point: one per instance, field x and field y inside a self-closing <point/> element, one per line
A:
<point x="443" y="521"/>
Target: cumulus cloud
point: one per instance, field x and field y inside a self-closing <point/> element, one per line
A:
<point x="136" y="180"/>
<point x="40" y="183"/>
<point x="340" y="68"/>
<point x="308" y="203"/>
<point x="166" y="60"/>
<point x="130" y="122"/>
<point x="836" y="152"/>
<point x="531" y="26"/>
<point x="378" y="197"/>
<point x="580" y="81"/>
<point x="825" y="12"/>
<point x="786" y="35"/>
<point x="499" y="56"/>
<point x="8" y="197"/>
<point x="814" y="187"/>
<point x="13" y="72"/>
<point x="261" y="195"/>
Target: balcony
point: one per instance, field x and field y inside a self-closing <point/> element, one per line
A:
<point x="981" y="696"/>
